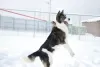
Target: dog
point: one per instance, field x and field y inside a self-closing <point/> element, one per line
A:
<point x="57" y="37"/>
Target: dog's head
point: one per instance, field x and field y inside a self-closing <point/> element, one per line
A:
<point x="61" y="18"/>
<point x="61" y="21"/>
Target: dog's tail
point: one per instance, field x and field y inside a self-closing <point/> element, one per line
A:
<point x="31" y="57"/>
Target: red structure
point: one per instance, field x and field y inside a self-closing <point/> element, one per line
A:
<point x="22" y="14"/>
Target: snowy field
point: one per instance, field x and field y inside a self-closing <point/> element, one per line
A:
<point x="15" y="45"/>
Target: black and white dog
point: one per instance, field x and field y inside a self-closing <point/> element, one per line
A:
<point x="57" y="37"/>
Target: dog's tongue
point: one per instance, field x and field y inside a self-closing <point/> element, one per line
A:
<point x="65" y="22"/>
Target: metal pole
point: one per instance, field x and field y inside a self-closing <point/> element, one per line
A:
<point x="0" y="20"/>
<point x="79" y="27"/>
<point x="13" y="23"/>
<point x="34" y="25"/>
<point x="25" y="25"/>
<point x="50" y="11"/>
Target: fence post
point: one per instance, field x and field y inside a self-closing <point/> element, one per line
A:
<point x="25" y="25"/>
<point x="34" y="25"/>
<point x="0" y="21"/>
<point x="13" y="23"/>
<point x="79" y="27"/>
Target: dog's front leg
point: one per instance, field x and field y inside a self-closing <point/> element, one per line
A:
<point x="66" y="46"/>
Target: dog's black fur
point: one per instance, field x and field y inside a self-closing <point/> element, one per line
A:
<point x="56" y="37"/>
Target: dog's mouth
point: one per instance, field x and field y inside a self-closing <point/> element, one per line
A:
<point x="66" y="23"/>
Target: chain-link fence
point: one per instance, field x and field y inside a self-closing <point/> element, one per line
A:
<point x="38" y="25"/>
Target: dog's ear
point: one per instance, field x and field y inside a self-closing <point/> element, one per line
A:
<point x="58" y="13"/>
<point x="62" y="16"/>
<point x="58" y="16"/>
<point x="62" y="12"/>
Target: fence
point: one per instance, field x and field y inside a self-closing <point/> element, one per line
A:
<point x="37" y="25"/>
<point x="10" y="23"/>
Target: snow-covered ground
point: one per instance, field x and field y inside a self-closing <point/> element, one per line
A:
<point x="15" y="45"/>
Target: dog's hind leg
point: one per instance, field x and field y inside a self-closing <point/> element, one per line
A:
<point x="46" y="58"/>
<point x="46" y="63"/>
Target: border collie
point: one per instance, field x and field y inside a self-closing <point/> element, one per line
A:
<point x="58" y="36"/>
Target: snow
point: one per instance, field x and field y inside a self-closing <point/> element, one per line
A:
<point x="15" y="45"/>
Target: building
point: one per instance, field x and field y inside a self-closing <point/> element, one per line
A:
<point x="92" y="26"/>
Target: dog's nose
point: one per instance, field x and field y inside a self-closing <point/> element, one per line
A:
<point x="68" y="19"/>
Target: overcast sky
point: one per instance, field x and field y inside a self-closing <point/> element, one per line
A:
<point x="91" y="7"/>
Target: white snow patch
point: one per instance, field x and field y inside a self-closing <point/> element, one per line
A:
<point x="14" y="45"/>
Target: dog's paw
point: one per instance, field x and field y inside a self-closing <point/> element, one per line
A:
<point x="72" y="54"/>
